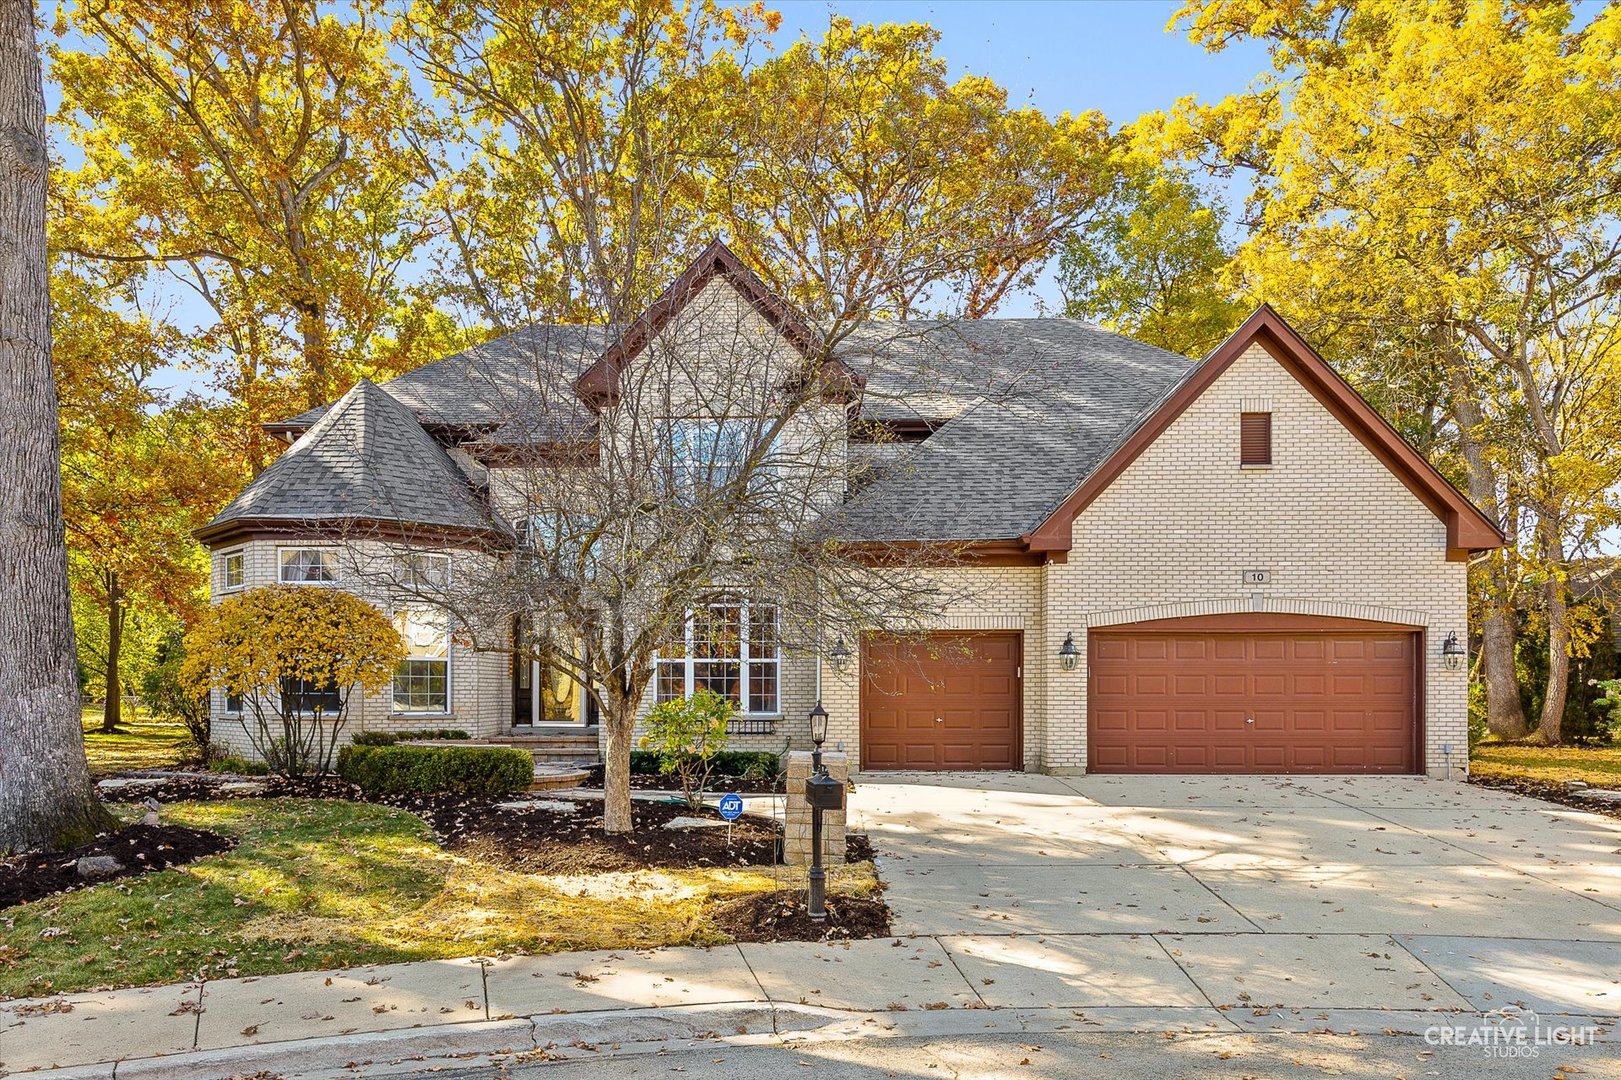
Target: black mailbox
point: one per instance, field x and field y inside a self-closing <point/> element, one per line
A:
<point x="824" y="793"/>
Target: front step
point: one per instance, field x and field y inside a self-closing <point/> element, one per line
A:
<point x="557" y="777"/>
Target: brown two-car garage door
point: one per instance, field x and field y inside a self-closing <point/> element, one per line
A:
<point x="1253" y="694"/>
<point x="950" y="701"/>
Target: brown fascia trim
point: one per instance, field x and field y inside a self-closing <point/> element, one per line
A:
<point x="1468" y="529"/>
<point x="519" y="455"/>
<point x="349" y="530"/>
<point x="948" y="553"/>
<point x="599" y="384"/>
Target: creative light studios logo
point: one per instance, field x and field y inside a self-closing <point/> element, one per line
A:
<point x="1511" y="1033"/>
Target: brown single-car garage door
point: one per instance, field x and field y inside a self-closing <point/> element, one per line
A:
<point x="948" y="702"/>
<point x="1253" y="694"/>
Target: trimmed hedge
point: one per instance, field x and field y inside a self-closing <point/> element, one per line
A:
<point x="437" y="770"/>
<point x="756" y="764"/>
<point x="389" y="738"/>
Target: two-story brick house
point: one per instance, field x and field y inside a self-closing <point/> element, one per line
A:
<point x="1225" y="565"/>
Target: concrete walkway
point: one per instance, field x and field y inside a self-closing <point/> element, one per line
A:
<point x="1024" y="904"/>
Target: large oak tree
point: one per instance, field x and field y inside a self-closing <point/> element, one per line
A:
<point x="46" y="798"/>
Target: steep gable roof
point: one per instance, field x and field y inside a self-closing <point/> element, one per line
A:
<point x="1468" y="528"/>
<point x="600" y="382"/>
<point x="367" y="459"/>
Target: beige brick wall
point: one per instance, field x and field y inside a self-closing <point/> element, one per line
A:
<point x="480" y="689"/>
<point x="1339" y="534"/>
<point x="993" y="598"/>
<point x="1173" y="535"/>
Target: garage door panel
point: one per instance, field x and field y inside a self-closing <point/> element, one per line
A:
<point x="1270" y="685"/>
<point x="1319" y="702"/>
<point x="956" y="697"/>
<point x="1181" y="649"/>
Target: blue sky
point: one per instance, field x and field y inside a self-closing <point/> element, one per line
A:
<point x="1060" y="56"/>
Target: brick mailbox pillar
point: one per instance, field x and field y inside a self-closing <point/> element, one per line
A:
<point x="796" y="847"/>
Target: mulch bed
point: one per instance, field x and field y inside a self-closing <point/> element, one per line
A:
<point x="139" y="847"/>
<point x="718" y="785"/>
<point x="556" y="842"/>
<point x="1549" y="791"/>
<point x="783" y="916"/>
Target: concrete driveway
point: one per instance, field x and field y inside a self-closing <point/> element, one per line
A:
<point x="1261" y="896"/>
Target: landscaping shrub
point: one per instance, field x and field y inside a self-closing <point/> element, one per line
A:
<point x="226" y="761"/>
<point x="436" y="770"/>
<point x="389" y="738"/>
<point x="685" y="735"/>
<point x="745" y="764"/>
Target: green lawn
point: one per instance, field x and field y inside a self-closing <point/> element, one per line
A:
<point x="324" y="883"/>
<point x="139" y="744"/>
<point x="1598" y="766"/>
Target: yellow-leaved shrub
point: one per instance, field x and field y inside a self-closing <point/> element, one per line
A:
<point x="262" y="641"/>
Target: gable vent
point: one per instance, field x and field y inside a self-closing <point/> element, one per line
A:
<point x="1255" y="438"/>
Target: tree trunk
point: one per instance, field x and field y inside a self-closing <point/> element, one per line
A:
<point x="112" y="712"/>
<point x="619" y="721"/>
<point x="1505" y="714"/>
<point x="46" y="799"/>
<point x="1551" y="728"/>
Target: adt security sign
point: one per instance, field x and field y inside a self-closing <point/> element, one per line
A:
<point x="731" y="807"/>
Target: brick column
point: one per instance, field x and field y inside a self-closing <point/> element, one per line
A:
<point x="797" y="828"/>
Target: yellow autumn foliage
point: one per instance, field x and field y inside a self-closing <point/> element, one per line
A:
<point x="249" y="643"/>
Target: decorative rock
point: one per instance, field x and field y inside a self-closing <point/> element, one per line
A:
<point x="1575" y="785"/>
<point x="244" y="787"/>
<point x="694" y="823"/>
<point x="151" y="804"/>
<point x="1603" y="796"/>
<point x="98" y="866"/>
<point x="126" y="783"/>
<point x="150" y="818"/>
<point x="558" y="805"/>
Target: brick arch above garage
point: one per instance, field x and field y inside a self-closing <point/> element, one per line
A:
<point x="1272" y="605"/>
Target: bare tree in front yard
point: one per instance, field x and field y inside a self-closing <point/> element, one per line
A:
<point x="47" y="801"/>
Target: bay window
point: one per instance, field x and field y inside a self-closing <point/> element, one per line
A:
<point x="728" y="647"/>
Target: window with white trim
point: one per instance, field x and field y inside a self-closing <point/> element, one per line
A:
<point x="729" y="647"/>
<point x="308" y="566"/>
<point x="233" y="570"/>
<point x="233" y="704"/>
<point x="424" y="571"/>
<point x="422" y="679"/>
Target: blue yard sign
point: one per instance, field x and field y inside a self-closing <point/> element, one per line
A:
<point x="731" y="807"/>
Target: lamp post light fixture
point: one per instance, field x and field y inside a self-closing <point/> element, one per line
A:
<point x="822" y="792"/>
<point x="839" y="656"/>
<point x="1068" y="655"/>
<point x="1452" y="652"/>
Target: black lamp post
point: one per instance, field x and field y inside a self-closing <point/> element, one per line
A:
<point x="822" y="792"/>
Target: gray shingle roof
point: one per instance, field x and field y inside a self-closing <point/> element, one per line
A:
<point x="497" y="382"/>
<point x="366" y="458"/>
<point x="1044" y="403"/>
<point x="1033" y="407"/>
